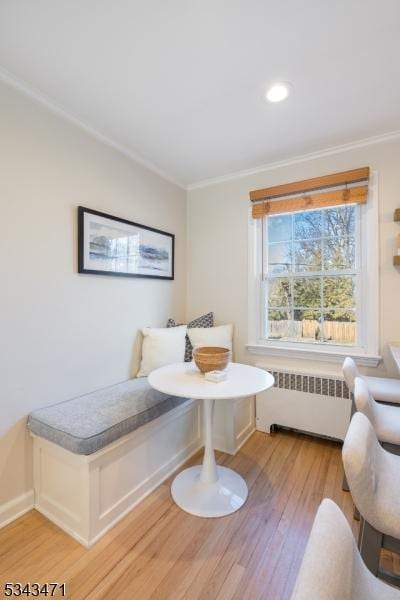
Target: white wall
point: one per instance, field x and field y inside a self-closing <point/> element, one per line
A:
<point x="63" y="334"/>
<point x="218" y="236"/>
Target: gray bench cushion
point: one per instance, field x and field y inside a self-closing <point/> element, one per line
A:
<point x="86" y="424"/>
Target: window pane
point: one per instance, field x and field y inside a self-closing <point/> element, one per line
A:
<point x="339" y="326"/>
<point x="339" y="291"/>
<point x="305" y="301"/>
<point x="280" y="257"/>
<point x="280" y="228"/>
<point x="307" y="292"/>
<point x="340" y="221"/>
<point x="307" y="255"/>
<point x="339" y="253"/>
<point x="307" y="225"/>
<point x="279" y="324"/>
<point x="307" y="325"/>
<point x="279" y="292"/>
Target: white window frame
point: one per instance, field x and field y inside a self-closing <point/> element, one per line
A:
<point x="367" y="301"/>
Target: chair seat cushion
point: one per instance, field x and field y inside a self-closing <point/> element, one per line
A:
<point x="387" y="423"/>
<point x="384" y="389"/>
<point x="86" y="424"/>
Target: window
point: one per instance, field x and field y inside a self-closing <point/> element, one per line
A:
<point x="311" y="272"/>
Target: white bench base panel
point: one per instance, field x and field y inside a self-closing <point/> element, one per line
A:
<point x="87" y="495"/>
<point x="234" y="423"/>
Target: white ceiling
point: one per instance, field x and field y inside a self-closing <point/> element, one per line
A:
<point x="180" y="83"/>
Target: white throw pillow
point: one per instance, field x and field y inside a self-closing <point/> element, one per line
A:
<point x="161" y="346"/>
<point x="211" y="336"/>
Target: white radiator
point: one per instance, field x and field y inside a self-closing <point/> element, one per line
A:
<point x="313" y="404"/>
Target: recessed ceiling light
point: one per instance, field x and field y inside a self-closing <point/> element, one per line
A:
<point x="278" y="92"/>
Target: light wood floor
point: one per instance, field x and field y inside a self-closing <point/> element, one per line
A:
<point x="159" y="552"/>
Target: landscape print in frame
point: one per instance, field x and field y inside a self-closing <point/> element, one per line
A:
<point x="108" y="245"/>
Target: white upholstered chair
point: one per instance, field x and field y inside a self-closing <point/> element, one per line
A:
<point x="332" y="568"/>
<point x="373" y="475"/>
<point x="383" y="389"/>
<point x="385" y="419"/>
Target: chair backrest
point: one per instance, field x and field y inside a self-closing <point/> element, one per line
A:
<point x="363" y="461"/>
<point x="332" y="567"/>
<point x="350" y="372"/>
<point x="363" y="399"/>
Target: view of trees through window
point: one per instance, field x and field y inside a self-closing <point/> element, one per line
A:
<point x="311" y="275"/>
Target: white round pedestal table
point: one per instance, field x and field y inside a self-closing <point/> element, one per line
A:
<point x="209" y="490"/>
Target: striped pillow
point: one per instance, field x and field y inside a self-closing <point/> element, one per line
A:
<point x="203" y="321"/>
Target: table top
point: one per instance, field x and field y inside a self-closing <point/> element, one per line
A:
<point x="185" y="380"/>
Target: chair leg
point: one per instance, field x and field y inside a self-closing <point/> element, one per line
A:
<point x="393" y="545"/>
<point x="390" y="578"/>
<point x="345" y="485"/>
<point x="392" y="448"/>
<point x="390" y="543"/>
<point x="370" y="544"/>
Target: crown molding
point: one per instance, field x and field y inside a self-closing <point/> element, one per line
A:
<point x="38" y="97"/>
<point x="41" y="98"/>
<point x="377" y="139"/>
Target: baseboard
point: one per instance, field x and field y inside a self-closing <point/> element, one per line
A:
<point x="16" y="508"/>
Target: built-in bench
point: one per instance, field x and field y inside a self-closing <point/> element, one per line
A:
<point x="97" y="456"/>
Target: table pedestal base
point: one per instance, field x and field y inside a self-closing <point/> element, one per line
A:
<point x="218" y="499"/>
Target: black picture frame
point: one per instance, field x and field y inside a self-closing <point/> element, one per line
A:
<point x="89" y="261"/>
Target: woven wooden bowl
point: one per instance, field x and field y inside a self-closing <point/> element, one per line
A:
<point x="211" y="358"/>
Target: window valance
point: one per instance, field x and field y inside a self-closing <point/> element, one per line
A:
<point x="312" y="193"/>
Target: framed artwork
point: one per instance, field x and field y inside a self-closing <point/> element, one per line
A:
<point x="108" y="245"/>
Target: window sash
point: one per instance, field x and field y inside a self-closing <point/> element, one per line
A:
<point x="292" y="275"/>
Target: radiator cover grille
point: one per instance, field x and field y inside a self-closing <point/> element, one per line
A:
<point x="311" y="384"/>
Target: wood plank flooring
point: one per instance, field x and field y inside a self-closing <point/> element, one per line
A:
<point x="159" y="552"/>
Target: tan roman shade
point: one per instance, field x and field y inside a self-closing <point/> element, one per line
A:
<point x="314" y="193"/>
